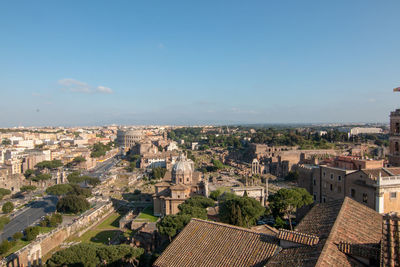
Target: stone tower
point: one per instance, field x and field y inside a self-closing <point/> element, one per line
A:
<point x="394" y="138"/>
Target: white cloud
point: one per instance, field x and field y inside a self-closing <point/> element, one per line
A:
<point x="76" y="86"/>
<point x="161" y="46"/>
<point x="103" y="89"/>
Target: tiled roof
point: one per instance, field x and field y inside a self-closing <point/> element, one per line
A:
<point x="298" y="237"/>
<point x="385" y="172"/>
<point x="265" y="229"/>
<point x="360" y="250"/>
<point x="205" y="243"/>
<point x="334" y="222"/>
<point x="390" y="249"/>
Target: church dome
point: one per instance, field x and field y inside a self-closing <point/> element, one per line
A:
<point x="183" y="165"/>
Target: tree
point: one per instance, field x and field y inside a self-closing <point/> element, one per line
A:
<point x="17" y="235"/>
<point x="217" y="164"/>
<point x="27" y="188"/>
<point x="78" y="160"/>
<point x="171" y="224"/>
<point x="4" y="192"/>
<point x="59" y="189"/>
<point x="6" y="142"/>
<point x="215" y="194"/>
<point x="31" y="232"/>
<point x="158" y="173"/>
<point x="41" y="177"/>
<point x="51" y="221"/>
<point x="72" y="204"/>
<point x="192" y="211"/>
<point x="240" y="211"/>
<point x="5" y="246"/>
<point x="28" y="173"/>
<point x="99" y="150"/>
<point x="3" y="221"/>
<point x="286" y="201"/>
<point x="92" y="255"/>
<point x="8" y="207"/>
<point x="292" y="176"/>
<point x="49" y="164"/>
<point x="200" y="201"/>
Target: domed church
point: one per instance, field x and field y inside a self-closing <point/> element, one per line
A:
<point x="183" y="183"/>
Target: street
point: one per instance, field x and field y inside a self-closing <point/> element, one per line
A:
<point x="35" y="211"/>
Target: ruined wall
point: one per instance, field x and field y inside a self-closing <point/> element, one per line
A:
<point x="31" y="254"/>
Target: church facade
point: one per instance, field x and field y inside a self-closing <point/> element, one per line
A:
<point x="184" y="183"/>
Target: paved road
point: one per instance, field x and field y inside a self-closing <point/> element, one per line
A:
<point x="34" y="212"/>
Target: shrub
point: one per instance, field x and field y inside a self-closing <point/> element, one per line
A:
<point x="17" y="235"/>
<point x="31" y="232"/>
<point x="8" y="207"/>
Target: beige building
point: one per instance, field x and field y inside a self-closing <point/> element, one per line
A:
<point x="184" y="183"/>
<point x="128" y="138"/>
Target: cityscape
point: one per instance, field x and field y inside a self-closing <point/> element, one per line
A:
<point x="212" y="133"/>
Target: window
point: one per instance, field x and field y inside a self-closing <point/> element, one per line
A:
<point x="339" y="189"/>
<point x="393" y="194"/>
<point x="315" y="196"/>
<point x="365" y="198"/>
<point x="324" y="174"/>
<point x="339" y="178"/>
<point x="331" y="187"/>
<point x="353" y="193"/>
<point x="314" y="181"/>
<point x="323" y="199"/>
<point x="325" y="185"/>
<point x="331" y="176"/>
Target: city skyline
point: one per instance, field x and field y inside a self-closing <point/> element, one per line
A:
<point x="96" y="63"/>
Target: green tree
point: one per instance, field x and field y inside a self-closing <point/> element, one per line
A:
<point x="217" y="164"/>
<point x="292" y="176"/>
<point x="59" y="189"/>
<point x="158" y="173"/>
<point x="28" y="173"/>
<point x="92" y="255"/>
<point x="286" y="201"/>
<point x="200" y="201"/>
<point x="41" y="177"/>
<point x="27" y="188"/>
<point x="78" y="159"/>
<point x="3" y="221"/>
<point x="4" y="192"/>
<point x="5" y="246"/>
<point x="17" y="235"/>
<point x="31" y="232"/>
<point x="171" y="224"/>
<point x="6" y="142"/>
<point x="72" y="204"/>
<point x="49" y="164"/>
<point x="215" y="194"/>
<point x="8" y="207"/>
<point x="240" y="211"/>
<point x="192" y="211"/>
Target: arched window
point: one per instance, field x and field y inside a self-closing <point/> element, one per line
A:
<point x="396" y="147"/>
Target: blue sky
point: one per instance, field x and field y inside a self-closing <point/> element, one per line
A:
<point x="198" y="62"/>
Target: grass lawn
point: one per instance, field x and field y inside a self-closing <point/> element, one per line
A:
<point x="44" y="230"/>
<point x="147" y="214"/>
<point x="20" y="244"/>
<point x="111" y="221"/>
<point x="98" y="236"/>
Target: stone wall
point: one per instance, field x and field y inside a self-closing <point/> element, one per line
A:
<point x="31" y="254"/>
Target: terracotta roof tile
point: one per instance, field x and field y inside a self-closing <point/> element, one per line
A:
<point x="298" y="237"/>
<point x="205" y="243"/>
<point x="360" y="250"/>
<point x="334" y="222"/>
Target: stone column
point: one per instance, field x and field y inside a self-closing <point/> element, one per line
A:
<point x="379" y="200"/>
